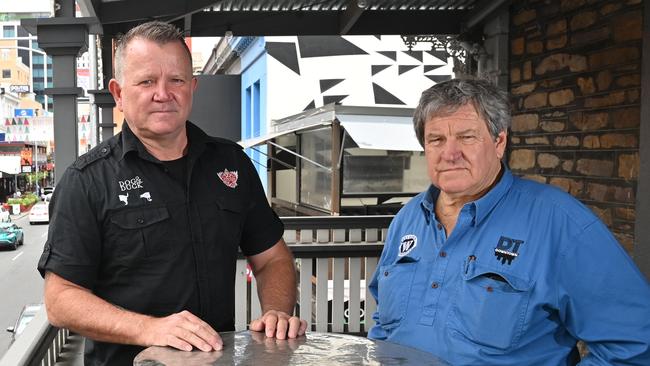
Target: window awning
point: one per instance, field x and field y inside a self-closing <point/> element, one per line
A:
<point x="381" y="132"/>
<point x="254" y="141"/>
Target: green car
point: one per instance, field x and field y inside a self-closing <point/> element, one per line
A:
<point x="11" y="235"/>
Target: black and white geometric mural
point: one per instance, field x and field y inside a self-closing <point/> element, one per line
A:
<point x="310" y="71"/>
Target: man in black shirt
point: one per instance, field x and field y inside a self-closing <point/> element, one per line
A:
<point x="145" y="228"/>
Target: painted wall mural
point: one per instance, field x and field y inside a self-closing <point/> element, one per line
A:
<point x="311" y="71"/>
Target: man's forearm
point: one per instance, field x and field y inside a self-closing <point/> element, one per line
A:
<point x="277" y="286"/>
<point x="83" y="312"/>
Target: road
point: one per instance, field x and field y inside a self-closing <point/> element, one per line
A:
<point x="20" y="283"/>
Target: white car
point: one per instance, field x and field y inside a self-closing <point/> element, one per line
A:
<point x="4" y="215"/>
<point x="47" y="193"/>
<point x="39" y="213"/>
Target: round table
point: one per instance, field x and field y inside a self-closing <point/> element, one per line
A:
<point x="314" y="348"/>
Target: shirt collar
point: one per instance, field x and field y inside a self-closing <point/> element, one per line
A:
<point x="195" y="137"/>
<point x="479" y="208"/>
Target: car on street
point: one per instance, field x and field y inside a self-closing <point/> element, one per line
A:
<point x="4" y="215"/>
<point x="46" y="194"/>
<point x="28" y="313"/>
<point x="39" y="214"/>
<point x="11" y="235"/>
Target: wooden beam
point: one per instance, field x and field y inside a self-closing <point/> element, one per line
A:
<point x="642" y="229"/>
<point x="286" y="23"/>
<point x="349" y="17"/>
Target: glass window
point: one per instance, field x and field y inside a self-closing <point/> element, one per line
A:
<point x="8" y="31"/>
<point x="381" y="171"/>
<point x="315" y="181"/>
<point x="38" y="59"/>
<point x="285" y="175"/>
<point x="6" y="73"/>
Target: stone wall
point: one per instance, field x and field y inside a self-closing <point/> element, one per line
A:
<point x="575" y="73"/>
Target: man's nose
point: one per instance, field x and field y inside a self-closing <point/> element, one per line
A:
<point x="451" y="151"/>
<point x="162" y="92"/>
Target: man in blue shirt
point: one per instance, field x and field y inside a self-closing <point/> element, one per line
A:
<point x="485" y="268"/>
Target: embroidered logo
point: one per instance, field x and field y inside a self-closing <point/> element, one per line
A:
<point x="408" y="243"/>
<point x="506" y="250"/>
<point x="130" y="184"/>
<point x="228" y="178"/>
<point x="146" y="196"/>
<point x="124" y="198"/>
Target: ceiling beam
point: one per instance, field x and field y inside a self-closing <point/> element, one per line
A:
<point x="141" y="10"/>
<point x="352" y="12"/>
<point x="286" y="23"/>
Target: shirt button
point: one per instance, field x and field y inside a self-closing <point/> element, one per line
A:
<point x="439" y="226"/>
<point x="489" y="289"/>
<point x="434" y="285"/>
<point x="104" y="150"/>
<point x="140" y="220"/>
<point x="386" y="273"/>
<point x="443" y="253"/>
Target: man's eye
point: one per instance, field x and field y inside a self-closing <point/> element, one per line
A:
<point x="435" y="141"/>
<point x="467" y="138"/>
<point x="146" y="82"/>
<point x="178" y="81"/>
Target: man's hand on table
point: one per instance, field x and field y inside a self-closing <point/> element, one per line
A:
<point x="279" y="324"/>
<point x="183" y="331"/>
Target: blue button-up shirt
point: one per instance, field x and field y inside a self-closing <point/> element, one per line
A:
<point x="526" y="271"/>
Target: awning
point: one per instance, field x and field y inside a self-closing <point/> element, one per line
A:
<point x="381" y="132"/>
<point x="254" y="141"/>
<point x="10" y="164"/>
<point x="260" y="139"/>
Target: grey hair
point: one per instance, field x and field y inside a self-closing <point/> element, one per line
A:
<point x="155" y="31"/>
<point x="443" y="99"/>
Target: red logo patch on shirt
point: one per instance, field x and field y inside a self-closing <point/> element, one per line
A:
<point x="228" y="178"/>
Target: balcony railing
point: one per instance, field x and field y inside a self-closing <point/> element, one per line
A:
<point x="335" y="258"/>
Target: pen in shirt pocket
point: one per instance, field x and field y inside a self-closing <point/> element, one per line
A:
<point x="469" y="260"/>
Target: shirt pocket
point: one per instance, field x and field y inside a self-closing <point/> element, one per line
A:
<point x="394" y="287"/>
<point x="490" y="307"/>
<point x="221" y="222"/>
<point x="138" y="233"/>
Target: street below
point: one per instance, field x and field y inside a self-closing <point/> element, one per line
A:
<point x="20" y="282"/>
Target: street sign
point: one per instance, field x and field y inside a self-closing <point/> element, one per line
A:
<point x="19" y="88"/>
<point x="26" y="168"/>
<point x="19" y="112"/>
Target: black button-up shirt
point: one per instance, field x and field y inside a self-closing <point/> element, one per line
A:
<point x="124" y="228"/>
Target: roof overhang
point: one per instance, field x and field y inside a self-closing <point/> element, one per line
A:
<point x="291" y="17"/>
<point x="370" y="127"/>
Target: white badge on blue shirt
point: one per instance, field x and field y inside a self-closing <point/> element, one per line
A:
<point x="407" y="244"/>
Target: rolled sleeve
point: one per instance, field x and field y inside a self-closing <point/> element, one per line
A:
<point x="73" y="247"/>
<point x="262" y="227"/>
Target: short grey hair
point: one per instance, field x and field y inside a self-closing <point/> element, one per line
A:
<point x="443" y="99"/>
<point x="155" y="31"/>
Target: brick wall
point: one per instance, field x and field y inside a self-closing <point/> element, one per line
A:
<point x="575" y="73"/>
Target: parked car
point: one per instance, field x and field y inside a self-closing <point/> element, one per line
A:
<point x="47" y="193"/>
<point x="11" y="235"/>
<point x="4" y="215"/>
<point x="28" y="313"/>
<point x="39" y="213"/>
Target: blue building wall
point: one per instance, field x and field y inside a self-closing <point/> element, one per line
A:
<point x="254" y="90"/>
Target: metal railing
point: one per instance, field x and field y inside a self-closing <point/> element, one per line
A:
<point x="39" y="345"/>
<point x="335" y="258"/>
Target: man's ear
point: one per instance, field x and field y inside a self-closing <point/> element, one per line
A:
<point x="194" y="82"/>
<point x="501" y="142"/>
<point x="116" y="90"/>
